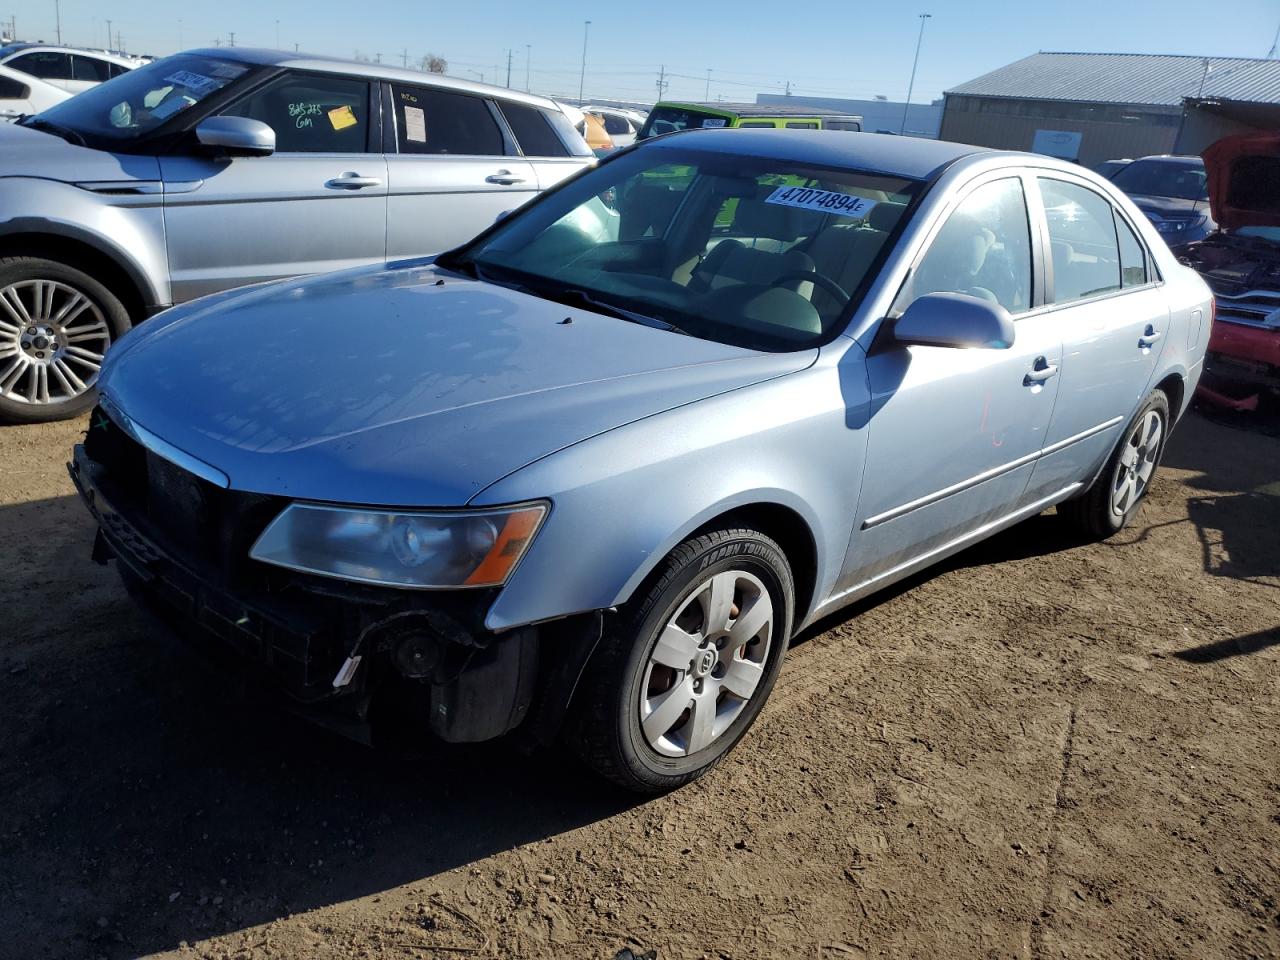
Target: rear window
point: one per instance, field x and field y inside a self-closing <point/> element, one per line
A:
<point x="533" y="130"/>
<point x="1163" y="178"/>
<point x="670" y="119"/>
<point x="440" y="121"/>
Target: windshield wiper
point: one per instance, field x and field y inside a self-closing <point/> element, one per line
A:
<point x="57" y="129"/>
<point x="571" y="296"/>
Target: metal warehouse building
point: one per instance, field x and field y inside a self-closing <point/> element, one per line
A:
<point x="1101" y="106"/>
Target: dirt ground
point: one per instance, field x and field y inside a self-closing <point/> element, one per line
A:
<point x="1042" y="750"/>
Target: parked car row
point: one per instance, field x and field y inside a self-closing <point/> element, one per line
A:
<point x="218" y="168"/>
<point x="583" y="477"/>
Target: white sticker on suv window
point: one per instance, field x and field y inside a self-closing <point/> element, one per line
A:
<point x="193" y="81"/>
<point x="415" y="124"/>
<point x="822" y="201"/>
<point x="714" y="122"/>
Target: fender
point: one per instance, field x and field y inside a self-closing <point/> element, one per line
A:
<point x="766" y="444"/>
<point x="126" y="229"/>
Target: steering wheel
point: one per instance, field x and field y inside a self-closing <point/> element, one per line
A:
<point x="818" y="280"/>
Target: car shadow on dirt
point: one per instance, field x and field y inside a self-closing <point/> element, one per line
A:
<point x="145" y="805"/>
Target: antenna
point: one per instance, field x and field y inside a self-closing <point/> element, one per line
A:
<point x="1271" y="54"/>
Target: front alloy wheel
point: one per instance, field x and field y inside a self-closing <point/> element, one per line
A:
<point x="53" y="342"/>
<point x="685" y="667"/>
<point x="56" y="323"/>
<point x="707" y="664"/>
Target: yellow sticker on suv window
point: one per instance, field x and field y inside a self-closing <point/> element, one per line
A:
<point x="342" y="117"/>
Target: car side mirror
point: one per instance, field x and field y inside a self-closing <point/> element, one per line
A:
<point x="236" y="136"/>
<point x="954" y="320"/>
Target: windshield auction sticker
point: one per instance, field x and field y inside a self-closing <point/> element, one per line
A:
<point x="822" y="201"/>
<point x="194" y="81"/>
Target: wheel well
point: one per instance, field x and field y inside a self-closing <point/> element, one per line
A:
<point x="76" y="253"/>
<point x="1173" y="388"/>
<point x="792" y="534"/>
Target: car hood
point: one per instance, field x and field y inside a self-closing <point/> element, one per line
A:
<point x="25" y="152"/>
<point x="1243" y="173"/>
<point x="403" y="385"/>
<point x="1169" y="208"/>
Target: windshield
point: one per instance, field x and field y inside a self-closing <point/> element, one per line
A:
<point x="1156" y="178"/>
<point x="664" y="119"/>
<point x="753" y="252"/>
<point x="135" y="103"/>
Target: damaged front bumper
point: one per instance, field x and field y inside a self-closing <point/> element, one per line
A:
<point x="342" y="653"/>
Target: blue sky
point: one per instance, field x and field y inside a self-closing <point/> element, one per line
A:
<point x="823" y="47"/>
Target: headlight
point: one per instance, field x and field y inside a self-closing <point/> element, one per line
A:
<point x="422" y="550"/>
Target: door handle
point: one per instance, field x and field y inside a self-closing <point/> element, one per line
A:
<point x="1149" y="337"/>
<point x="504" y="177"/>
<point x="352" y="181"/>
<point x="1042" y="371"/>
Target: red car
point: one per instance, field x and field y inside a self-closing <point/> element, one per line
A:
<point x="1241" y="263"/>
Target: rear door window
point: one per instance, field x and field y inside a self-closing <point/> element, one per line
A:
<point x="614" y="124"/>
<point x="444" y="122"/>
<point x="90" y="68"/>
<point x="533" y="130"/>
<point x="1083" y="244"/>
<point x="311" y="114"/>
<point x="1133" y="258"/>
<point x="46" y="65"/>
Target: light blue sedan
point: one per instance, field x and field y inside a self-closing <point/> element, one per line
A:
<point x="589" y="474"/>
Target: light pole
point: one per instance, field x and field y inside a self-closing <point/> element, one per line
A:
<point x="582" y="77"/>
<point x="911" y="86"/>
<point x="57" y="12"/>
<point x="528" y="53"/>
<point x="179" y="33"/>
<point x="108" y="36"/>
<point x="707" y="93"/>
<point x="277" y="34"/>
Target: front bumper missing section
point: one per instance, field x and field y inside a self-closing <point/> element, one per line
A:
<point x="333" y="652"/>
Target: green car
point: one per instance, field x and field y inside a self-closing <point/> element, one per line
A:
<point x="668" y="117"/>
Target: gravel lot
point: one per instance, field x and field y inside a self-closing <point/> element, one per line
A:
<point x="1042" y="750"/>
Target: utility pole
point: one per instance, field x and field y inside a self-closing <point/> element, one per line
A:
<point x="404" y="58"/>
<point x="108" y="34"/>
<point x="233" y="39"/>
<point x="706" y="95"/>
<point x="582" y="77"/>
<point x="377" y="58"/>
<point x="787" y="92"/>
<point x="528" y="51"/>
<point x="662" y="82"/>
<point x="508" y="68"/>
<point x="911" y="86"/>
<point x="179" y="33"/>
<point x="57" y="12"/>
<point x="277" y="34"/>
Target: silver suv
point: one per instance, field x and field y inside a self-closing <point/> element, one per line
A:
<point x="217" y="168"/>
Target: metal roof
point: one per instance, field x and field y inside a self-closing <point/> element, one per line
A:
<point x="760" y="109"/>
<point x="1137" y="78"/>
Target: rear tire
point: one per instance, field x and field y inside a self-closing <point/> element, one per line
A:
<point x="685" y="668"/>
<point x="56" y="323"/>
<point x="1116" y="495"/>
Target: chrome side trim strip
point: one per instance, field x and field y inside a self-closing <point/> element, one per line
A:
<point x="908" y="567"/>
<point x="991" y="474"/>
<point x="163" y="448"/>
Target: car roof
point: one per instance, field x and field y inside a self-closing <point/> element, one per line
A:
<point x="760" y="109"/>
<point x="910" y="157"/>
<point x="1172" y="158"/>
<point x="55" y="48"/>
<point x="360" y="68"/>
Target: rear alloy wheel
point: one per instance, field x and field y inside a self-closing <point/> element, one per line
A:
<point x="1113" y="500"/>
<point x="56" y="324"/>
<point x="685" y="668"/>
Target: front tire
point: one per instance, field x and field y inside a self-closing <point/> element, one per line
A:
<point x="1113" y="500"/>
<point x="684" y="669"/>
<point x="56" y="323"/>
